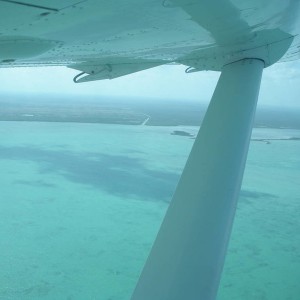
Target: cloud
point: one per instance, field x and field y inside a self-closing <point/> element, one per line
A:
<point x="280" y="84"/>
<point x="165" y="82"/>
<point x="283" y="71"/>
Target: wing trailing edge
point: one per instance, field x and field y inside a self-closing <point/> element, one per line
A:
<point x="91" y="71"/>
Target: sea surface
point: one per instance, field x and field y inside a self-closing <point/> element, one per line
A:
<point x="80" y="206"/>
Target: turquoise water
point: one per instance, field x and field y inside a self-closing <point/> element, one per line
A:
<point x="80" y="205"/>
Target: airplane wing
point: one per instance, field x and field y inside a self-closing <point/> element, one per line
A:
<point x="137" y="35"/>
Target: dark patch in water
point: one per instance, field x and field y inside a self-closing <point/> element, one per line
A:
<point x="116" y="174"/>
<point x="36" y="183"/>
<point x="245" y="195"/>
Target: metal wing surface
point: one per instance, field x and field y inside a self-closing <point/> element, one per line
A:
<point x="121" y="37"/>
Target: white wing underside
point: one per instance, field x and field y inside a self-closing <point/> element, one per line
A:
<point x="108" y="39"/>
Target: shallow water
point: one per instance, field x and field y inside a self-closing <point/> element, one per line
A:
<point x="80" y="205"/>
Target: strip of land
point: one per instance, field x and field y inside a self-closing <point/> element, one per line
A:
<point x="127" y="111"/>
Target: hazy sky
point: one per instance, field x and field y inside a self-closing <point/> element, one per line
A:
<point x="280" y="84"/>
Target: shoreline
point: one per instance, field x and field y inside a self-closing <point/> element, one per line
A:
<point x="144" y="123"/>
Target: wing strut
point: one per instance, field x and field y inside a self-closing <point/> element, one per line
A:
<point x="188" y="255"/>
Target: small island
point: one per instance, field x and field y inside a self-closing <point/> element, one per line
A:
<point x="182" y="133"/>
